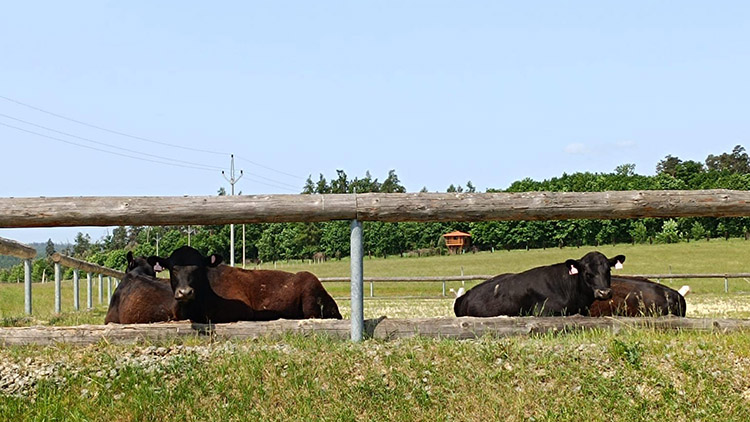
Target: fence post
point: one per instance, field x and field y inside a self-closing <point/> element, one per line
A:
<point x="58" y="277"/>
<point x="76" y="290"/>
<point x="89" y="291"/>
<point x="109" y="288"/>
<point x="357" y="283"/>
<point x="27" y="286"/>
<point x="101" y="289"/>
<point x="372" y="289"/>
<point x="726" y="285"/>
<point x="443" y="287"/>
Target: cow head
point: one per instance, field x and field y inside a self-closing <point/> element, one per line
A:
<point x="187" y="271"/>
<point x="594" y="270"/>
<point x="139" y="265"/>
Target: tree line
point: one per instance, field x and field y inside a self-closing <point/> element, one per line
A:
<point x="290" y="241"/>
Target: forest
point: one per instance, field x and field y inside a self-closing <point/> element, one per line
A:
<point x="292" y="241"/>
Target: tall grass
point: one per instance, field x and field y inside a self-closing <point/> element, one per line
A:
<point x="632" y="376"/>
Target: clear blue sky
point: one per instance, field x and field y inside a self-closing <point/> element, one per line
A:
<point x="441" y="91"/>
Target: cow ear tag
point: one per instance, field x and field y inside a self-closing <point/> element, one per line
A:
<point x="158" y="267"/>
<point x="573" y="270"/>
<point x="618" y="265"/>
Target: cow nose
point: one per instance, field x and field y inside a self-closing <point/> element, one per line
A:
<point x="603" y="294"/>
<point x="184" y="293"/>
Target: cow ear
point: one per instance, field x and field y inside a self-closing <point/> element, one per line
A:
<point x="158" y="263"/>
<point x="617" y="261"/>
<point x="572" y="266"/>
<point x="214" y="260"/>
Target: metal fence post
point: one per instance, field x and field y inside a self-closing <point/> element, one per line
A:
<point x="27" y="286"/>
<point x="58" y="288"/>
<point x="109" y="288"/>
<point x="443" y="287"/>
<point x="101" y="289"/>
<point x="726" y="285"/>
<point x="357" y="282"/>
<point x="372" y="289"/>
<point x="76" y="290"/>
<point x="89" y="291"/>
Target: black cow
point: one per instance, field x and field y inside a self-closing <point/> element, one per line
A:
<point x="637" y="296"/>
<point x="561" y="289"/>
<point x="209" y="292"/>
<point x="141" y="297"/>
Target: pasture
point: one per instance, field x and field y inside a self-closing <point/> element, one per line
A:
<point x="630" y="375"/>
<point x="423" y="299"/>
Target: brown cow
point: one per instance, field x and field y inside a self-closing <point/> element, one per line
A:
<point x="637" y="296"/>
<point x="141" y="297"/>
<point x="208" y="292"/>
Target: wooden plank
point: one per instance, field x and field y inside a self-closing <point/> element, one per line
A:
<point x="551" y="205"/>
<point x="175" y="210"/>
<point x="16" y="249"/>
<point x="471" y="327"/>
<point x="381" y="328"/>
<point x="69" y="262"/>
<point x="184" y="210"/>
<point x="132" y="333"/>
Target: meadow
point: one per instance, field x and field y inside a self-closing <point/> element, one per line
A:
<point x="631" y="375"/>
<point x="424" y="299"/>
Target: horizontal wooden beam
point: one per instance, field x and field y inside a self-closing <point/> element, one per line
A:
<point x="16" y="249"/>
<point x="552" y="205"/>
<point x="393" y="207"/>
<point x="89" y="267"/>
<point x="173" y="210"/>
<point x="381" y="328"/>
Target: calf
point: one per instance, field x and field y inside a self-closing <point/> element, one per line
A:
<point x="141" y="297"/>
<point x="560" y="289"/>
<point x="637" y="296"/>
<point x="208" y="292"/>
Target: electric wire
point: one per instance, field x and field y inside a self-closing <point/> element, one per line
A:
<point x="106" y="144"/>
<point x="104" y="150"/>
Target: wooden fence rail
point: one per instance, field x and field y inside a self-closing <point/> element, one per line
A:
<point x="15" y="249"/>
<point x="78" y="264"/>
<point x="184" y="210"/>
<point x="381" y="328"/>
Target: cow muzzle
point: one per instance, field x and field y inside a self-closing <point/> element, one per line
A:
<point x="184" y="293"/>
<point x="602" y="294"/>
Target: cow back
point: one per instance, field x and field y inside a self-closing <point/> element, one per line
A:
<point x="638" y="296"/>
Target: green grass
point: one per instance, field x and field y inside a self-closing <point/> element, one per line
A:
<point x="632" y="375"/>
<point x="639" y="375"/>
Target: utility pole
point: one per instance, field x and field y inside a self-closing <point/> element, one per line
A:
<point x="232" y="180"/>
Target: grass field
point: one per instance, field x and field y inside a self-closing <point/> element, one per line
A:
<point x="633" y="375"/>
<point x="707" y="298"/>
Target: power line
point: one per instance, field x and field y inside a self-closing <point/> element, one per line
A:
<point x="108" y="145"/>
<point x="139" y="158"/>
<point x="272" y="169"/>
<point x="104" y="150"/>
<point x="140" y="138"/>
